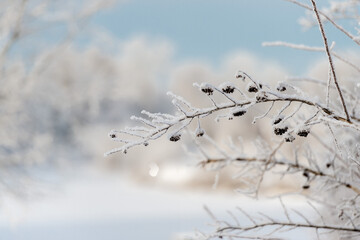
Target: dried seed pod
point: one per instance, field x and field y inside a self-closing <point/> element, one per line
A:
<point x="199" y="132"/>
<point x="261" y="96"/>
<point x="175" y="137"/>
<point x="227" y="87"/>
<point x="239" y="111"/>
<point x="251" y="87"/>
<point x="289" y="138"/>
<point x="278" y="119"/>
<point x="280" y="130"/>
<point x="281" y="87"/>
<point x="303" y="132"/>
<point x="240" y="75"/>
<point x="207" y="88"/>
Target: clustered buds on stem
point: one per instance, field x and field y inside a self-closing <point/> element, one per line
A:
<point x="289" y="138"/>
<point x="207" y="88"/>
<point x="252" y="87"/>
<point x="278" y="119"/>
<point x="280" y="130"/>
<point x="237" y="112"/>
<point x="303" y="132"/>
<point x="199" y="132"/>
<point x="281" y="87"/>
<point x="175" y="137"/>
<point x="261" y="96"/>
<point x="227" y="88"/>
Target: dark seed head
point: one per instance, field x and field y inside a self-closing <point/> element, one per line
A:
<point x="303" y="132"/>
<point x="199" y="132"/>
<point x="175" y="137"/>
<point x="208" y="91"/>
<point x="239" y="113"/>
<point x="228" y="89"/>
<point x="252" y="88"/>
<point x="280" y="130"/>
<point x="240" y="75"/>
<point x="278" y="119"/>
<point x="289" y="138"/>
<point x="281" y="88"/>
<point x="261" y="96"/>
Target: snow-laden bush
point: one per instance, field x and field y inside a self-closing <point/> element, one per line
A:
<point x="314" y="139"/>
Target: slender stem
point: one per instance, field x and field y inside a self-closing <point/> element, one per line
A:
<point x="288" y="224"/>
<point x="330" y="60"/>
<point x="348" y="34"/>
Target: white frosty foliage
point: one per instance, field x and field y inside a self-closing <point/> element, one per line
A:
<point x="314" y="142"/>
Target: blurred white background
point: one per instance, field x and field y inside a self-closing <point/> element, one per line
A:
<point x="73" y="70"/>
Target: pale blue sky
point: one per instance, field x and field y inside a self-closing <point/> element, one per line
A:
<point x="210" y="29"/>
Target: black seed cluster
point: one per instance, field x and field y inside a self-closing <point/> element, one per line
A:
<point x="280" y="130"/>
<point x="200" y="133"/>
<point x="239" y="113"/>
<point x="175" y="138"/>
<point x="253" y="88"/>
<point x="207" y="90"/>
<point x="240" y="76"/>
<point x="261" y="97"/>
<point x="281" y="88"/>
<point x="228" y="89"/>
<point x="303" y="132"/>
<point x="277" y="120"/>
<point x="289" y="138"/>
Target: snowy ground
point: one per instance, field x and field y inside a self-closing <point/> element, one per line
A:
<point x="98" y="206"/>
